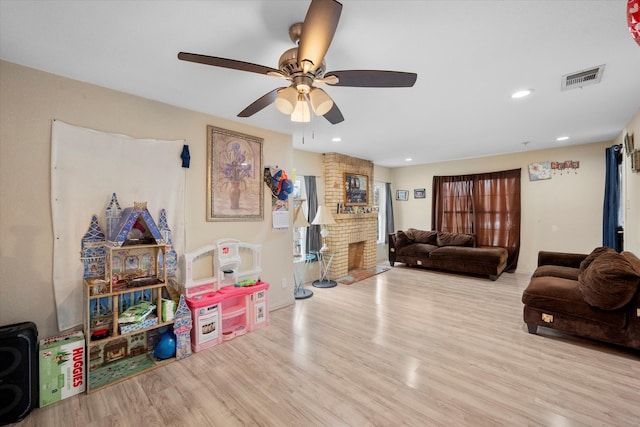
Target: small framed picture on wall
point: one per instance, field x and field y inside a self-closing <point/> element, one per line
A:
<point x="419" y="193"/>
<point x="402" y="195"/>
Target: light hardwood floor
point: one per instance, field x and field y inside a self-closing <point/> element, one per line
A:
<point x="406" y="347"/>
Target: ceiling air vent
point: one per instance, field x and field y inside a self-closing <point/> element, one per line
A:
<point x="582" y="78"/>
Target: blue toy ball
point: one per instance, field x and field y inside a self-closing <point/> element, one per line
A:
<point x="165" y="348"/>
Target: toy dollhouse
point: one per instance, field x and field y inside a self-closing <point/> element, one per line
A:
<point x="125" y="269"/>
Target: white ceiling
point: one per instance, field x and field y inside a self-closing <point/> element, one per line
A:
<point x="469" y="56"/>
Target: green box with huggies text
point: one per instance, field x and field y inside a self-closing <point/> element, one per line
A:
<point x="62" y="367"/>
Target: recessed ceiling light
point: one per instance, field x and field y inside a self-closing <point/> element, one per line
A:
<point x="336" y="139"/>
<point x="408" y="159"/>
<point x="522" y="93"/>
<point x="562" y="138"/>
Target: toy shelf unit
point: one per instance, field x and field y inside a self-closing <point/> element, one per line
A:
<point x="124" y="314"/>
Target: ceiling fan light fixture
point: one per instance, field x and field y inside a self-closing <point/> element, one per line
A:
<point x="286" y="100"/>
<point x="320" y="101"/>
<point x="301" y="113"/>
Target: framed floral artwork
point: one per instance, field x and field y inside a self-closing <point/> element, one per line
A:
<point x="234" y="176"/>
<point x="542" y="170"/>
<point x="402" y="195"/>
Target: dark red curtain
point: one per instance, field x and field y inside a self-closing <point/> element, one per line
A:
<point x="486" y="205"/>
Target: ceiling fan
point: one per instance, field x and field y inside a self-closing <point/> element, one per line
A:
<point x="304" y="65"/>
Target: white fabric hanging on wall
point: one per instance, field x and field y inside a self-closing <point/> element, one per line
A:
<point x="87" y="167"/>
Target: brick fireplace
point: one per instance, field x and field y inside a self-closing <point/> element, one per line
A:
<point x="353" y="238"/>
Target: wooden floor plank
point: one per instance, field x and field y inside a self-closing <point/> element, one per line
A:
<point x="405" y="347"/>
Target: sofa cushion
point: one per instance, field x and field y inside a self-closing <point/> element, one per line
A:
<point x="633" y="260"/>
<point x="402" y="240"/>
<point x="609" y="282"/>
<point x="455" y="239"/>
<point x="557" y="271"/>
<point x="488" y="255"/>
<point x="416" y="250"/>
<point x="593" y="255"/>
<point x="422" y="236"/>
<point x="557" y="295"/>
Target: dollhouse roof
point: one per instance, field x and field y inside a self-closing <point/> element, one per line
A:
<point x="114" y="207"/>
<point x="94" y="232"/>
<point x="138" y="214"/>
<point x="164" y="226"/>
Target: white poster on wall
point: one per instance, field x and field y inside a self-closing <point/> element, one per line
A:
<point x="87" y="167"/>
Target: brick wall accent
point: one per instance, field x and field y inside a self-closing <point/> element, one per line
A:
<point x="349" y="228"/>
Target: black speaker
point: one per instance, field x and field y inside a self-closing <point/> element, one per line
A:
<point x="18" y="371"/>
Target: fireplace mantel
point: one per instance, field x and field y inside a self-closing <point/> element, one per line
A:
<point x="342" y="217"/>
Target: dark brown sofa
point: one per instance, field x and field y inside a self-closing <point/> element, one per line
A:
<point x="592" y="295"/>
<point x="454" y="252"/>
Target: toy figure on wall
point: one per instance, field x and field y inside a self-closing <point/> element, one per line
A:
<point x="281" y="186"/>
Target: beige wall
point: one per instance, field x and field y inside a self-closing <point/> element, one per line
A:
<point x="29" y="101"/>
<point x="563" y="213"/>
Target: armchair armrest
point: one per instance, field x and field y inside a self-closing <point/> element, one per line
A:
<point x="564" y="259"/>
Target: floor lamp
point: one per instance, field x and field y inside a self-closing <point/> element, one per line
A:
<point x="324" y="218"/>
<point x="299" y="222"/>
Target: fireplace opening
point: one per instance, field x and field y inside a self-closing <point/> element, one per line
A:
<point x="356" y="255"/>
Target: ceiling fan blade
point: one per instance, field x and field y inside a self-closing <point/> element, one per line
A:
<point x="317" y="32"/>
<point x="226" y="63"/>
<point x="372" y="78"/>
<point x="334" y="115"/>
<point x="260" y="103"/>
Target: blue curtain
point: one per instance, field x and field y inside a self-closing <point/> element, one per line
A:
<point x="611" y="212"/>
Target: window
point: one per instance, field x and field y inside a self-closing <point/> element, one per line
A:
<point x="486" y="205"/>
<point x="300" y="200"/>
